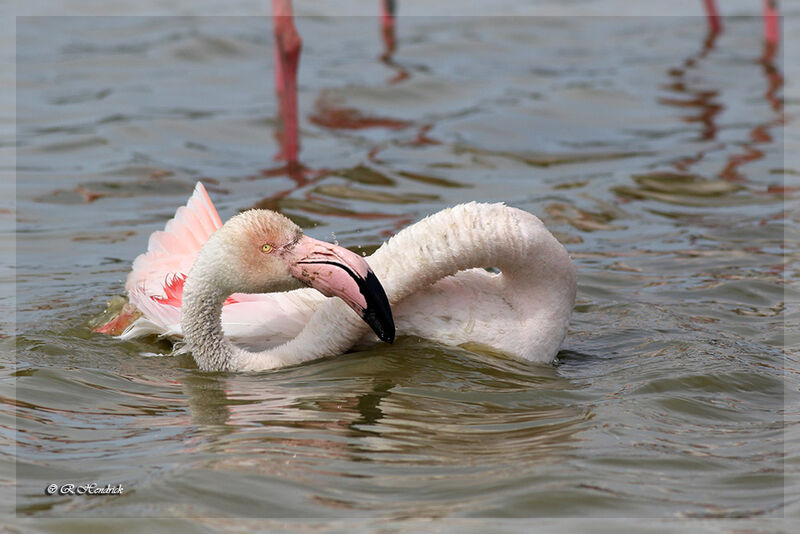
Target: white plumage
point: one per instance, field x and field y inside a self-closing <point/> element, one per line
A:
<point x="433" y="273"/>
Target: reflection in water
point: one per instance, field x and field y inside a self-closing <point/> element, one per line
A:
<point x="320" y="200"/>
<point x="760" y="133"/>
<point x="771" y="16"/>
<point x="388" y="24"/>
<point x="327" y="428"/>
<point x="701" y="100"/>
<point x="336" y="117"/>
<point x="677" y="341"/>
<point x="708" y="107"/>
<point x="369" y="406"/>
<point x="207" y="399"/>
<point x="327" y="115"/>
<point x="287" y="46"/>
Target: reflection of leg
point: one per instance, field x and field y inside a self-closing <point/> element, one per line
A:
<point x="771" y="22"/>
<point x="387" y="28"/>
<point x="714" y="20"/>
<point x="287" y="56"/>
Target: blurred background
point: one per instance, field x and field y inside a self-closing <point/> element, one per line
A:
<point x="662" y="155"/>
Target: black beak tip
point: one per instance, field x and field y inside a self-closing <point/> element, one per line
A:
<point x="382" y="326"/>
<point x="386" y="332"/>
<point x="378" y="313"/>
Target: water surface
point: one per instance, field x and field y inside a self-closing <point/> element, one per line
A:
<point x="657" y="157"/>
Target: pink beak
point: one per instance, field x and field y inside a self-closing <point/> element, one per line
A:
<point x="335" y="271"/>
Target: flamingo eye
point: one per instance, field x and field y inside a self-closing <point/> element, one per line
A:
<point x="266" y="247"/>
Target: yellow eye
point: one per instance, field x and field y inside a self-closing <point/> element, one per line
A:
<point x="266" y="247"/>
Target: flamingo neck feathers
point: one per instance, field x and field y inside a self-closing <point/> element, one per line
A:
<point x="208" y="285"/>
<point x="475" y="235"/>
<point x="211" y="281"/>
<point x="537" y="274"/>
<point x="201" y="323"/>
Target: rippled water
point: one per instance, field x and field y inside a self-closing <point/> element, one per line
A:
<point x="659" y="159"/>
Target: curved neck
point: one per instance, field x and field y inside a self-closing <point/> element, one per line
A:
<point x="201" y="314"/>
<point x="477" y="236"/>
<point x="331" y="331"/>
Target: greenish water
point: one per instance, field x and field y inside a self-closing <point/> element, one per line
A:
<point x="666" y="166"/>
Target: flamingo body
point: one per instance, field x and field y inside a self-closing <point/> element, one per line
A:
<point x="433" y="273"/>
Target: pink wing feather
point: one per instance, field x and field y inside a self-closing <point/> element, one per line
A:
<point x="155" y="285"/>
<point x="172" y="252"/>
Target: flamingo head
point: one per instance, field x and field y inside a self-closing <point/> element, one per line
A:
<point x="263" y="251"/>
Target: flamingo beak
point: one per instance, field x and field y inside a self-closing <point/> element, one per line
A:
<point x="335" y="271"/>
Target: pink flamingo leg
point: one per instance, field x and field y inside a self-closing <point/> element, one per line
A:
<point x="771" y="22"/>
<point x="287" y="56"/>
<point x="387" y="28"/>
<point x="714" y="20"/>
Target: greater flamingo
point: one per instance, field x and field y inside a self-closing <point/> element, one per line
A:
<point x="433" y="274"/>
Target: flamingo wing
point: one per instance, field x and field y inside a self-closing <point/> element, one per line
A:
<point x="172" y="251"/>
<point x="155" y="285"/>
